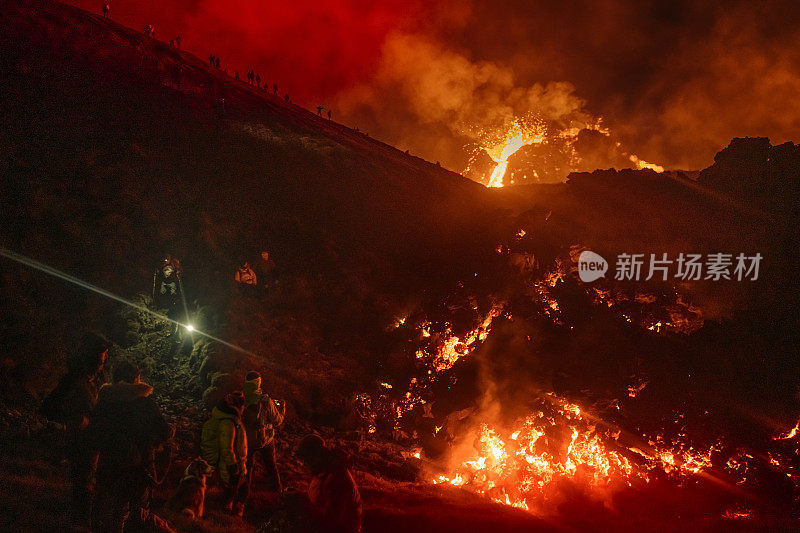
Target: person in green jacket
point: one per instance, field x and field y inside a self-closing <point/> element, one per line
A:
<point x="261" y="416"/>
<point x="224" y="445"/>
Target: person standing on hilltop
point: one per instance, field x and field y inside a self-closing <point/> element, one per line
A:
<point x="329" y="114"/>
<point x="107" y="10"/>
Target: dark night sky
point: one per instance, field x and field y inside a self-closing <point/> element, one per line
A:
<point x="674" y="81"/>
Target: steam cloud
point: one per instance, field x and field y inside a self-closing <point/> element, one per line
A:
<point x="434" y="100"/>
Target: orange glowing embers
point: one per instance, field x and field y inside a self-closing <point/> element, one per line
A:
<point x="452" y="348"/>
<point x="525" y="466"/>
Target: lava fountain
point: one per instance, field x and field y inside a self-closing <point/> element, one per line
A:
<point x="517" y="136"/>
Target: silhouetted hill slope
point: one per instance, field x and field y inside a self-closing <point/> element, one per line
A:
<point x="118" y="149"/>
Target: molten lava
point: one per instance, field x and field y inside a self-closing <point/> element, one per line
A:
<point x="641" y="164"/>
<point x="517" y="136"/>
<point x="502" y="143"/>
<point x="524" y="466"/>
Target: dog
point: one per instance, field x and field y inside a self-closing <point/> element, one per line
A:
<point x="191" y="493"/>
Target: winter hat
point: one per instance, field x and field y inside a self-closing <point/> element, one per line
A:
<point x="252" y="388"/>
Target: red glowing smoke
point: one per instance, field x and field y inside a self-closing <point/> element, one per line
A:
<point x="310" y="48"/>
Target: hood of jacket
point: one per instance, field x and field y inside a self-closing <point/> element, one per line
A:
<point x="223" y="411"/>
<point x="122" y="391"/>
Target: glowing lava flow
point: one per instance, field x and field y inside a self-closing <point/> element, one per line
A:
<point x="642" y="164"/>
<point x="528" y="465"/>
<point x="500" y="144"/>
<point x="517" y="136"/>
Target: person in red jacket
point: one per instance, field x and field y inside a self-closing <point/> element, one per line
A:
<point x="332" y="490"/>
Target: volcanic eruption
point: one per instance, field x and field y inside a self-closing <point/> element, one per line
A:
<point x="423" y="336"/>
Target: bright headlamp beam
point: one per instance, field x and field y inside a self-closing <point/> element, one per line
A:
<point x="27" y="261"/>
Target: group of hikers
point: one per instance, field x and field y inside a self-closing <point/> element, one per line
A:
<point x="253" y="77"/>
<point x="114" y="429"/>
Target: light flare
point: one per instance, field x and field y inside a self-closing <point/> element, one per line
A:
<point x="27" y="261"/>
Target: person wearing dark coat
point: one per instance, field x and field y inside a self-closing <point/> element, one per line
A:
<point x="125" y="428"/>
<point x="167" y="286"/>
<point x="332" y="490"/>
<point x="261" y="416"/>
<point x="71" y="404"/>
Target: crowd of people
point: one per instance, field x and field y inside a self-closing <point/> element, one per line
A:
<point x="115" y="429"/>
<point x="253" y="77"/>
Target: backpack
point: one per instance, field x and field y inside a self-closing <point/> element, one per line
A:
<point x="209" y="441"/>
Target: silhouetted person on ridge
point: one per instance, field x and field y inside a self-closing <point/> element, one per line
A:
<point x="126" y="427"/>
<point x="107" y="10"/>
<point x="329" y="114"/>
<point x="178" y="42"/>
<point x="71" y="404"/>
<point x="319" y="110"/>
